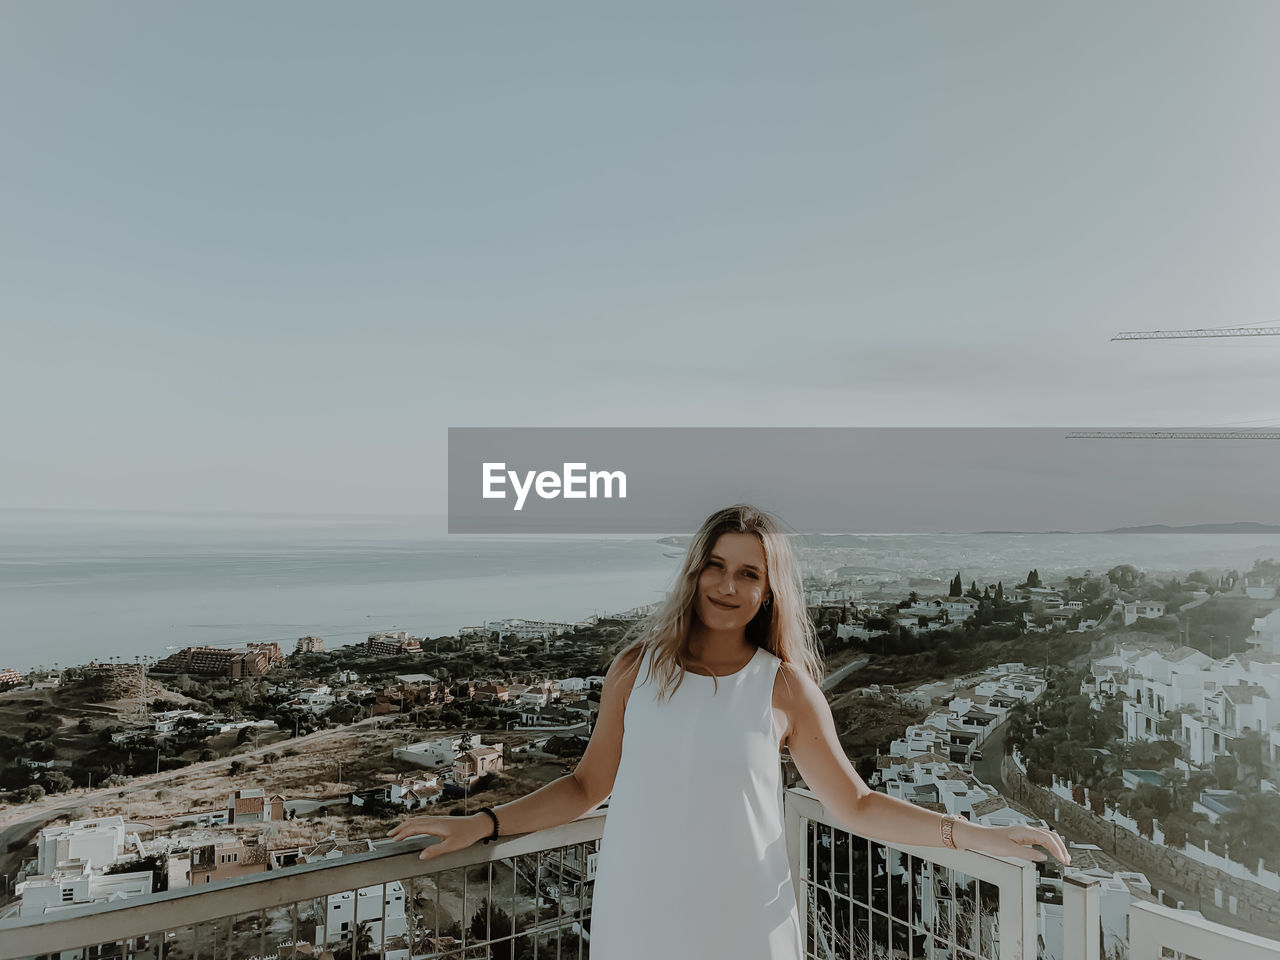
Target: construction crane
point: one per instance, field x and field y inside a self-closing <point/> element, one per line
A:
<point x="1174" y="435"/>
<point x="1206" y="332"/>
<point x="1184" y="434"/>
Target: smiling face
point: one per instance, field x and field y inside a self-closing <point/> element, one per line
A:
<point x="733" y="583"/>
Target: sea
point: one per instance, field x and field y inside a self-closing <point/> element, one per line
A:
<point x="82" y="585"/>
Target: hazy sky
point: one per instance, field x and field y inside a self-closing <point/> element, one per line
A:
<point x="261" y="256"/>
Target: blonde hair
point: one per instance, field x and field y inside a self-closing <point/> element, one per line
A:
<point x="782" y="627"/>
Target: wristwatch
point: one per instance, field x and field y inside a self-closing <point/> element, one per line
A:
<point x="947" y="825"/>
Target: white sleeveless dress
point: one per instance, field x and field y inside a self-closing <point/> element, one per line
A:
<point x="693" y="860"/>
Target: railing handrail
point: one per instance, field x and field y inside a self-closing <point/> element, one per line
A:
<point x="74" y="927"/>
<point x="1193" y="935"/>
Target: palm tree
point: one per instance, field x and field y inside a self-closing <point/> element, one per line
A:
<point x="363" y="946"/>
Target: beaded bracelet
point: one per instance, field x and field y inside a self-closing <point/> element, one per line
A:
<point x="494" y="817"/>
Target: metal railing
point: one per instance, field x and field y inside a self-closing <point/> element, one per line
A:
<point x="382" y="903"/>
<point x="862" y="898"/>
<point x="528" y="897"/>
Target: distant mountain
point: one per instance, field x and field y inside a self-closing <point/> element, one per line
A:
<point x="1038" y="533"/>
<point x="1243" y="527"/>
<point x="854" y="539"/>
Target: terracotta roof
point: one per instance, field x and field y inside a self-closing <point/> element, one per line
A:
<point x="930" y="756"/>
<point x="989" y="805"/>
<point x="255" y="853"/>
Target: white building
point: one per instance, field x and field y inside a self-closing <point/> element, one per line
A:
<point x="411" y="793"/>
<point x="527" y="629"/>
<point x="1218" y="699"/>
<point x="928" y="737"/>
<point x="1136" y="609"/>
<point x="370" y="907"/>
<point x="434" y="753"/>
<point x="95" y="843"/>
<point x="1016" y="685"/>
<point x="316" y="700"/>
<point x="167" y="721"/>
<point x="72" y="887"/>
<point x="1113" y="900"/>
<point x="1266" y="633"/>
<point x="69" y="865"/>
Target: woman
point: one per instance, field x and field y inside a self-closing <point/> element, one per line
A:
<point x="693" y="860"/>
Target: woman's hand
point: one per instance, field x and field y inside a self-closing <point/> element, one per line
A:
<point x="455" y="833"/>
<point x="1015" y="841"/>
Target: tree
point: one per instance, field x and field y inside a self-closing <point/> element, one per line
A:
<point x="30" y="794"/>
<point x="1248" y="750"/>
<point x="1177" y="827"/>
<point x="1033" y="578"/>
<point x="1125" y="576"/>
<point x="1252" y="829"/>
<point x="493" y="923"/>
<point x="957" y="586"/>
<point x="56" y="782"/>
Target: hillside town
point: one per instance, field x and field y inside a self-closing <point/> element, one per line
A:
<point x="1137" y="716"/>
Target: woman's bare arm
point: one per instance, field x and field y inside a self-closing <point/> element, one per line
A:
<point x="821" y="761"/>
<point x="557" y="802"/>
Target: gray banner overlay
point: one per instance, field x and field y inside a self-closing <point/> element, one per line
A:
<point x="850" y="479"/>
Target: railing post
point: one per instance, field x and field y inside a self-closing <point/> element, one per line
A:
<point x="1081" y="917"/>
<point x="797" y="835"/>
<point x="1018" y="915"/>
